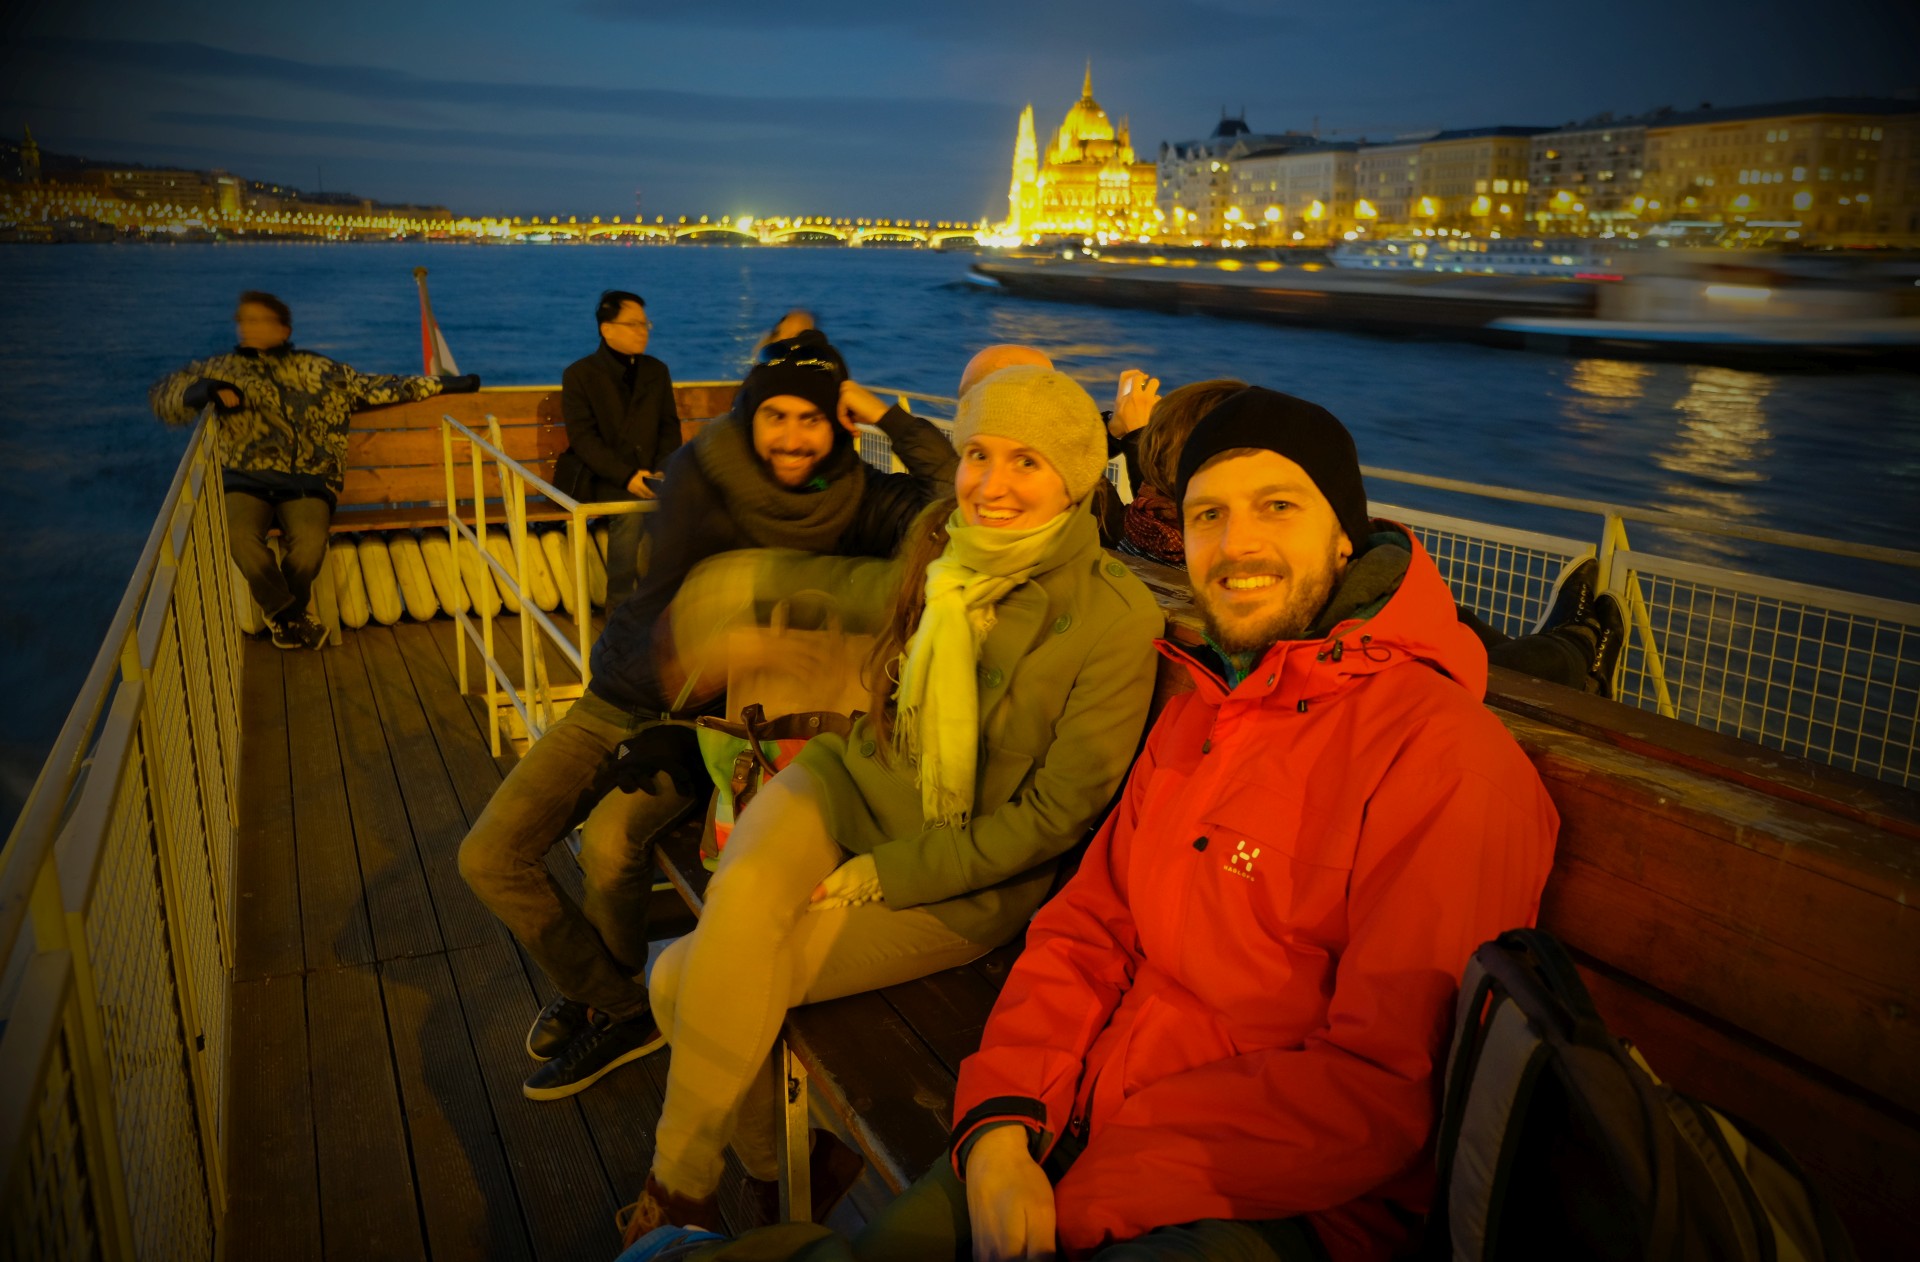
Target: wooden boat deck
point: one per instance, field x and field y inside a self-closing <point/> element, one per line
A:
<point x="379" y="1009"/>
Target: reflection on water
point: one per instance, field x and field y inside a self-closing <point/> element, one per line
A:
<point x="1723" y="434"/>
<point x="1603" y="396"/>
<point x="1720" y="446"/>
<point x="1609" y="378"/>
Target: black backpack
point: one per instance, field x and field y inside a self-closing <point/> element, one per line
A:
<point x="1557" y="1141"/>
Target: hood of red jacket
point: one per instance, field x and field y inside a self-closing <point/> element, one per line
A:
<point x="1419" y="623"/>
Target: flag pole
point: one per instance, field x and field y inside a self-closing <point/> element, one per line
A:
<point x="436" y="357"/>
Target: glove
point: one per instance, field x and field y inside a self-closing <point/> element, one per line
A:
<point x="669" y="747"/>
<point x="206" y="391"/>
<point x="854" y="882"/>
<point x="460" y="385"/>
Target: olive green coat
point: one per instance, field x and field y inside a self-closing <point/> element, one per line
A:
<point x="1066" y="675"/>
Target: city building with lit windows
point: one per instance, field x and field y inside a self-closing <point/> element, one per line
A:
<point x="1585" y="177"/>
<point x="1301" y="195"/>
<point x="1385" y="177"/>
<point x="1474" y="180"/>
<point x="1897" y="199"/>
<point x="1196" y="176"/>
<point x="1086" y="182"/>
<point x="1808" y="170"/>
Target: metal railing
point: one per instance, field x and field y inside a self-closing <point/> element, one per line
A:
<point x="1819" y="672"/>
<point x="116" y="891"/>
<point x="535" y="703"/>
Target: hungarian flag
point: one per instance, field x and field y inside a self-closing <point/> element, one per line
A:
<point x="435" y="355"/>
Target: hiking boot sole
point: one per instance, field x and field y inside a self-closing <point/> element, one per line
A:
<point x="578" y="1085"/>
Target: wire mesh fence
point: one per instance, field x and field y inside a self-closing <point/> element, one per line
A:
<point x="1809" y="671"/>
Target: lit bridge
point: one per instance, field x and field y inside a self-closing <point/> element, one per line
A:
<point x="803" y="230"/>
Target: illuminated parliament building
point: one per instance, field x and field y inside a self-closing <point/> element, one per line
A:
<point x="1085" y="183"/>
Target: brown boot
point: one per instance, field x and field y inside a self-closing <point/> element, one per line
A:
<point x="832" y="1170"/>
<point x="658" y="1207"/>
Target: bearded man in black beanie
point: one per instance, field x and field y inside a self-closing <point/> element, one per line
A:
<point x="780" y="471"/>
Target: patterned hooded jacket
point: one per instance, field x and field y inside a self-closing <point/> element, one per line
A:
<point x="294" y="408"/>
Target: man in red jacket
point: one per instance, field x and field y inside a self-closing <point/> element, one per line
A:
<point x="1222" y="1037"/>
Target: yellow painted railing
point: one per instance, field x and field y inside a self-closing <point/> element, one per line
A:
<point x="467" y="538"/>
<point x="116" y="891"/>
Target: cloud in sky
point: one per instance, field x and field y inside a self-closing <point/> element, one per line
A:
<point x="836" y="107"/>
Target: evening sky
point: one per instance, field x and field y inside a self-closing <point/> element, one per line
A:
<point x="828" y="107"/>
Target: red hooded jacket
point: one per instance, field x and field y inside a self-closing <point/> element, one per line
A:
<point x="1242" y="999"/>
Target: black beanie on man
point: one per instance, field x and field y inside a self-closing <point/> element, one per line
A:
<point x="805" y="372"/>
<point x="1303" y="432"/>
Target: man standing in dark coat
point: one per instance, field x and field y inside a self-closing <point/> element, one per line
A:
<point x="621" y="427"/>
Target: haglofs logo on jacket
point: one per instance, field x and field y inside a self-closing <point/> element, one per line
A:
<point x="1240" y="862"/>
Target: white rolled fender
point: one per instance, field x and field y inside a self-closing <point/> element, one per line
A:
<point x="553" y="545"/>
<point x="502" y="549"/>
<point x="349" y="588"/>
<point x="410" y="571"/>
<point x="383" y="588"/>
<point x="437" y="554"/>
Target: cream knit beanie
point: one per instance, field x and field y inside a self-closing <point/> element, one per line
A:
<point x="1044" y="410"/>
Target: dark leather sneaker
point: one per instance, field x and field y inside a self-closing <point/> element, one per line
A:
<point x="1572" y="597"/>
<point x="1609" y="622"/>
<point x="832" y="1170"/>
<point x="599" y="1049"/>
<point x="312" y="634"/>
<point x="659" y="1208"/>
<point x="555" y="1027"/>
<point x="286" y="632"/>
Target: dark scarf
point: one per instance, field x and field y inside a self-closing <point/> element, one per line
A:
<point x="772" y="515"/>
<point x="1146" y="531"/>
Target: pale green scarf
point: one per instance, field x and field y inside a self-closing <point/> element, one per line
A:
<point x="938" y="723"/>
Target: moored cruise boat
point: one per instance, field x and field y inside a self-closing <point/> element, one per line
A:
<point x="251" y="1009"/>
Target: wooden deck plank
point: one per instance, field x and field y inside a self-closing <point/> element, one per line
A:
<point x="273" y="1204"/>
<point x="447" y="699"/>
<point x="466" y="1189"/>
<point x="457" y="730"/>
<point x="368" y="1206"/>
<point x="267" y="941"/>
<point x="564" y="1192"/>
<point x="332" y="904"/>
<point x="438" y="818"/>
<point x="398" y="906"/>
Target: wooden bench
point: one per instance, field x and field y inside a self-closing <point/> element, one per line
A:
<point x="1749" y="919"/>
<point x="396" y="474"/>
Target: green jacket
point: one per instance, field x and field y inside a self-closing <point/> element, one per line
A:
<point x="1066" y="676"/>
<point x="294" y="408"/>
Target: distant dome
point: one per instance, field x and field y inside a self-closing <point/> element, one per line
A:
<point x="1231" y="127"/>
<point x="1086" y="121"/>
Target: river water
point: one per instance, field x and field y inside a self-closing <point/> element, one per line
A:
<point x="85" y="329"/>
